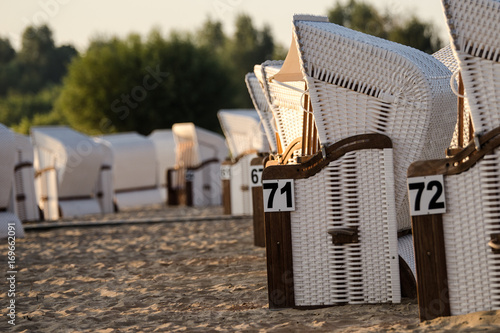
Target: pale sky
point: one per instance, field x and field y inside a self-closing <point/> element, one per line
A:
<point x="76" y="21"/>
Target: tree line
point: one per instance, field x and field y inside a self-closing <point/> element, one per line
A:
<point x="144" y="83"/>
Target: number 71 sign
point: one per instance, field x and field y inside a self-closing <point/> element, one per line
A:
<point x="278" y="195"/>
<point x="426" y="195"/>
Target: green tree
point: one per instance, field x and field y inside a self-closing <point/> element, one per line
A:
<point x="134" y="85"/>
<point x="39" y="62"/>
<point x="364" y="17"/>
<point x="7" y="52"/>
<point x="248" y="46"/>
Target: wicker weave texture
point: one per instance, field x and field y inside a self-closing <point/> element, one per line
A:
<point x="474" y="27"/>
<point x="447" y="58"/>
<point x="363" y="84"/>
<point x="285" y="103"/>
<point x="364" y="272"/>
<point x="262" y="106"/>
<point x="472" y="216"/>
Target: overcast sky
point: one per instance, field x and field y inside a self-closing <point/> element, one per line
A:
<point x="76" y="21"/>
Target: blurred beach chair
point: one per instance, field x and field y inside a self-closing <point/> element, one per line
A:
<point x="332" y="237"/>
<point x="135" y="170"/>
<point x="10" y="225"/>
<point x="67" y="165"/>
<point x="164" y="142"/>
<point x="245" y="139"/>
<point x="104" y="189"/>
<point x="457" y="248"/>
<point x="24" y="196"/>
<point x="261" y="104"/>
<point x="195" y="180"/>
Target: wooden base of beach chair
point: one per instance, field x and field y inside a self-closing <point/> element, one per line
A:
<point x="259" y="232"/>
<point x="342" y="280"/>
<point x="226" y="188"/>
<point x="440" y="291"/>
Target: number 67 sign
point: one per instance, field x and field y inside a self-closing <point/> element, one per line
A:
<point x="278" y="195"/>
<point x="426" y="195"/>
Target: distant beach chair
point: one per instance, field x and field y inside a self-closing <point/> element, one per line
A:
<point x="377" y="106"/>
<point x="10" y="225"/>
<point x="458" y="251"/>
<point x="135" y="170"/>
<point x="164" y="142"/>
<point x="104" y="189"/>
<point x="195" y="180"/>
<point x="245" y="139"/>
<point x="24" y="196"/>
<point x="261" y="104"/>
<point x="67" y="165"/>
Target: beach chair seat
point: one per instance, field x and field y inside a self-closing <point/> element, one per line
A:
<point x="245" y="139"/>
<point x="10" y="225"/>
<point x="67" y="165"/>
<point x="195" y="180"/>
<point x="457" y="248"/>
<point x="134" y="170"/>
<point x="164" y="142"/>
<point x="377" y="106"/>
<point x="24" y="196"/>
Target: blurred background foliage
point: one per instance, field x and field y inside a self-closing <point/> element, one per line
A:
<point x="144" y="83"/>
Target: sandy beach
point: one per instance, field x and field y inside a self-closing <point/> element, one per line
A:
<point x="167" y="276"/>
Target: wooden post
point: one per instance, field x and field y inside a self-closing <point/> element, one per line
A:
<point x="259" y="228"/>
<point x="279" y="260"/>
<point x="226" y="192"/>
<point x="432" y="280"/>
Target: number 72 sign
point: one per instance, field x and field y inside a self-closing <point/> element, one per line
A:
<point x="426" y="195"/>
<point x="278" y="195"/>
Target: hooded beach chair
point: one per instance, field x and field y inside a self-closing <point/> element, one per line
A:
<point x="24" y="196"/>
<point x="163" y="139"/>
<point x="290" y="106"/>
<point x="135" y="170"/>
<point x="104" y="189"/>
<point x="333" y="219"/>
<point x="457" y="236"/>
<point x="245" y="139"/>
<point x="10" y="225"/>
<point x="195" y="180"/>
<point x="261" y="104"/>
<point x="67" y="165"/>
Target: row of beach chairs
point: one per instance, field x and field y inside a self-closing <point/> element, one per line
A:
<point x="372" y="184"/>
<point x="58" y="172"/>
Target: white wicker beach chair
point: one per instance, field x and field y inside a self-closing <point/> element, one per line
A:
<point x="474" y="27"/>
<point x="195" y="180"/>
<point x="245" y="139"/>
<point x="290" y="106"/>
<point x="378" y="106"/>
<point x="458" y="252"/>
<point x="24" y="197"/>
<point x="262" y="106"/>
<point x="67" y="165"/>
<point x="134" y="170"/>
<point x="164" y="142"/>
<point x="10" y="225"/>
